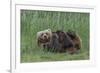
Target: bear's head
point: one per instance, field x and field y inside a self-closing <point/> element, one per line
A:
<point x="44" y="36"/>
<point x="61" y="35"/>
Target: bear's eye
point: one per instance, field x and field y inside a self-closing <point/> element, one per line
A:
<point x="46" y="33"/>
<point x="42" y="34"/>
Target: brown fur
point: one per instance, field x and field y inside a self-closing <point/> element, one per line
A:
<point x="76" y="39"/>
<point x="60" y="41"/>
<point x="66" y="42"/>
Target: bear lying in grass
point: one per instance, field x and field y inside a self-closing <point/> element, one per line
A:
<point x="59" y="41"/>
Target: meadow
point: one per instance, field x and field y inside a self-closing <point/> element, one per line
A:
<point x="33" y="21"/>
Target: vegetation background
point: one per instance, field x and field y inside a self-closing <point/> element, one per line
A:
<point x="33" y="21"/>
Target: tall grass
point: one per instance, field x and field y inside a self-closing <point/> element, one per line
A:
<point x="33" y="21"/>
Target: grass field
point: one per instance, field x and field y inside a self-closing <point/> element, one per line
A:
<point x="34" y="21"/>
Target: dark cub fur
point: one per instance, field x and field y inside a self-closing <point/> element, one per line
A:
<point x="54" y="45"/>
<point x="66" y="42"/>
<point x="75" y="38"/>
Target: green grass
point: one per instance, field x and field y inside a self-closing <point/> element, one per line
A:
<point x="33" y="21"/>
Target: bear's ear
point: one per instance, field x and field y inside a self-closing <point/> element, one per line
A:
<point x="49" y="30"/>
<point x="60" y="32"/>
<point x="38" y="34"/>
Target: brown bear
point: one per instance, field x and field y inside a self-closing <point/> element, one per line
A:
<point x="59" y="41"/>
